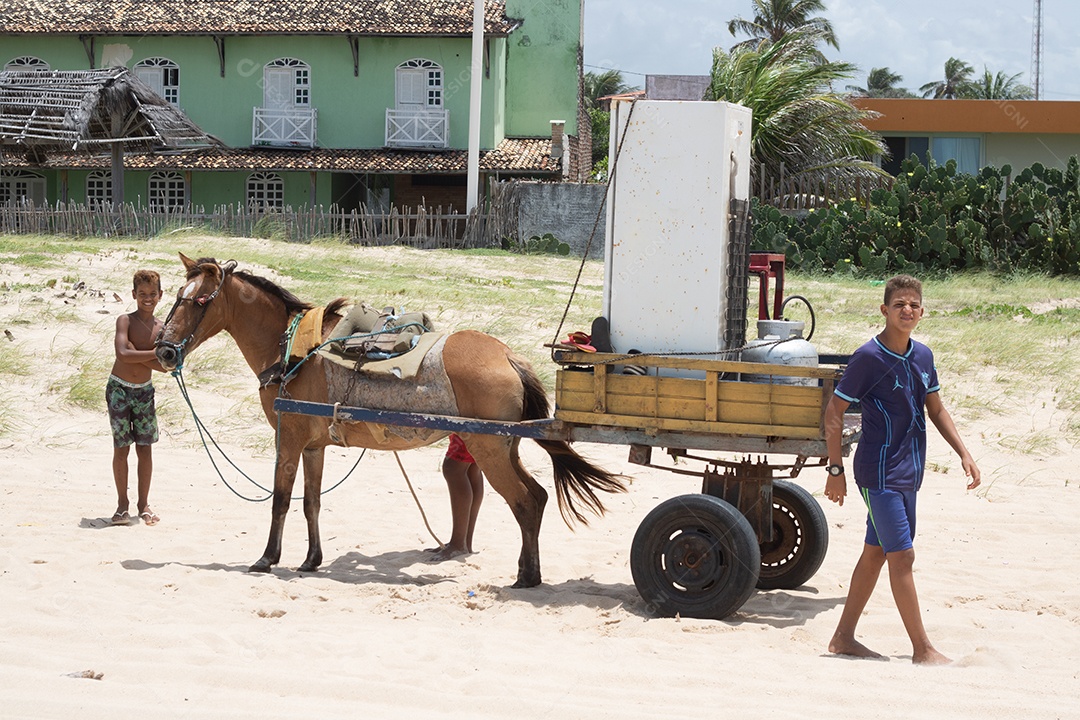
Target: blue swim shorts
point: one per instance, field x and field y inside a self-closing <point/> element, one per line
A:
<point x="890" y="519"/>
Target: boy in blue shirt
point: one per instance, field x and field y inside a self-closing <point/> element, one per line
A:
<point x="894" y="379"/>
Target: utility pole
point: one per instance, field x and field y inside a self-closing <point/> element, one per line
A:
<point x="476" y="79"/>
<point x="1036" y="49"/>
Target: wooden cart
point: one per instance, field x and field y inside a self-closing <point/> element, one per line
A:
<point x="702" y="554"/>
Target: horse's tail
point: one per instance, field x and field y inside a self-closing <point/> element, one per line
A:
<point x="575" y="477"/>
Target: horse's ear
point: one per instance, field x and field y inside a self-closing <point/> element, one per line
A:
<point x="188" y="262"/>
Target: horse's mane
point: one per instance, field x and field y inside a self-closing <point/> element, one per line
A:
<point x="292" y="303"/>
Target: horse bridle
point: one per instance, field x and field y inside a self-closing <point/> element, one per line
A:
<point x="203" y="301"/>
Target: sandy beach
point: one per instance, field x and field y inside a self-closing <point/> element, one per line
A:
<point x="101" y="621"/>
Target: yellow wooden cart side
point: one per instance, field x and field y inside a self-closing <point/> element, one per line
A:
<point x="591" y="388"/>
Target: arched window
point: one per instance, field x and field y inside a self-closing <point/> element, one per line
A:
<point x="286" y="83"/>
<point x="99" y="188"/>
<point x="265" y="190"/>
<point x="168" y="192"/>
<point x="21" y="187"/>
<point x="26" y="62"/>
<point x="419" y="85"/>
<point x="162" y="75"/>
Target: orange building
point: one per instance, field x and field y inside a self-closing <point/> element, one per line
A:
<point x="977" y="133"/>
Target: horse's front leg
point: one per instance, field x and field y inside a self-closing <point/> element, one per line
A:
<point x="284" y="477"/>
<point x="313" y="472"/>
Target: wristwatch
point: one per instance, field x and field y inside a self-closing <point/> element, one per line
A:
<point x="835" y="470"/>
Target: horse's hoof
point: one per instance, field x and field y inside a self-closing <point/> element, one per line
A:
<point x="262" y="566"/>
<point x="526" y="583"/>
<point x="308" y="568"/>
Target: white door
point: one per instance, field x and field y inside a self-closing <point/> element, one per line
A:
<point x="154" y="77"/>
<point x="411" y="88"/>
<point x="280" y="88"/>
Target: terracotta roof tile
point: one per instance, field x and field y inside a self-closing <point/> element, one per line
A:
<point x="524" y="155"/>
<point x="357" y="17"/>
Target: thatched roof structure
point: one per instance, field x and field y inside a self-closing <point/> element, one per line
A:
<point x="64" y="110"/>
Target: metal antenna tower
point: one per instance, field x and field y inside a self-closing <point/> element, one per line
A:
<point x="1036" y="49"/>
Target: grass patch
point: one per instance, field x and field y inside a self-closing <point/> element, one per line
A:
<point x="85" y="387"/>
<point x="14" y="360"/>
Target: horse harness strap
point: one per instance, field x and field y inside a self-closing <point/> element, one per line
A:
<point x="203" y="301"/>
<point x="300" y="339"/>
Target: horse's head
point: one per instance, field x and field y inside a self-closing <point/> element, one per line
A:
<point x="194" y="316"/>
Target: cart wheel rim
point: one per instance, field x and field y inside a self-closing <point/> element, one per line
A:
<point x="693" y="561"/>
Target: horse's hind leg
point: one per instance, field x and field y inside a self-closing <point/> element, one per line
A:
<point x="313" y="472"/>
<point x="284" y="477"/>
<point x="499" y="461"/>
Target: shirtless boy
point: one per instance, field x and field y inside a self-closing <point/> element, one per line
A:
<point x="129" y="395"/>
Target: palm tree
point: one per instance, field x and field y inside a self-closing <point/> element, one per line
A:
<point x="881" y="83"/>
<point x="598" y="85"/>
<point x="775" y="18"/>
<point x="998" y="87"/>
<point x="799" y="123"/>
<point x="957" y="76"/>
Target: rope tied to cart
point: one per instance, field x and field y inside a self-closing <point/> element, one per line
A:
<point x="596" y="224"/>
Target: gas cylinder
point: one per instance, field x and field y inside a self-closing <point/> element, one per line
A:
<point x="780" y="342"/>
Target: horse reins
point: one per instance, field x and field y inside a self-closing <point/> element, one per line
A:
<point x="203" y="301"/>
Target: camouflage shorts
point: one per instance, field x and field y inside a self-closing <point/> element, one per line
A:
<point x="131" y="412"/>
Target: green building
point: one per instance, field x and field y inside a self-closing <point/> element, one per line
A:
<point x="328" y="102"/>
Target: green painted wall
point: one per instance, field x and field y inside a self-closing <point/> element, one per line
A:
<point x="542" y="66"/>
<point x="351" y="109"/>
<point x="205" y="189"/>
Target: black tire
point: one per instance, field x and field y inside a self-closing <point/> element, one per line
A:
<point x="800" y="539"/>
<point x="695" y="555"/>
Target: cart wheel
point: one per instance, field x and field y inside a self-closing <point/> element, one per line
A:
<point x="800" y="539"/>
<point x="695" y="555"/>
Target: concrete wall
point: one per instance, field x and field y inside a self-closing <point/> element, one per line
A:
<point x="566" y="210"/>
<point x="676" y="87"/>
<point x="1022" y="151"/>
<point x="542" y="66"/>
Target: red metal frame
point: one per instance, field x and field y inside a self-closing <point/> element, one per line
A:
<point x="765" y="266"/>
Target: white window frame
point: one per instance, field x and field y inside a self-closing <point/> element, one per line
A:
<point x="167" y="191"/>
<point x="99" y="188"/>
<point x="27" y="62"/>
<point x="265" y="190"/>
<point x="300" y="95"/>
<point x="163" y="75"/>
<point x="430" y="77"/>
<point x="21" y="187"/>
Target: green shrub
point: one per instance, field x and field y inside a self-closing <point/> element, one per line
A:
<point x="934" y="219"/>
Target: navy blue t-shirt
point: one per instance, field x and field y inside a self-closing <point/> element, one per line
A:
<point x="892" y="391"/>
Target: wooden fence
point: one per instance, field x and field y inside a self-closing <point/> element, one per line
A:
<point x="804" y="193"/>
<point x="419" y="227"/>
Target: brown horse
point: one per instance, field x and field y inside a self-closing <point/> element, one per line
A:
<point x="467" y="373"/>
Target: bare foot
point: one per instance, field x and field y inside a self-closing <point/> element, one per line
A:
<point x="840" y="645"/>
<point x="446" y="552"/>
<point x="930" y="656"/>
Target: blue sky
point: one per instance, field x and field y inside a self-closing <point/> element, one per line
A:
<point x="913" y="38"/>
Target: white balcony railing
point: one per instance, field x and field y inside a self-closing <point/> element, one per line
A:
<point x="288" y="127"/>
<point x="417" y="128"/>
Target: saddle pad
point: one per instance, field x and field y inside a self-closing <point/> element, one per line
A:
<point x="309" y="334"/>
<point x="404" y="366"/>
